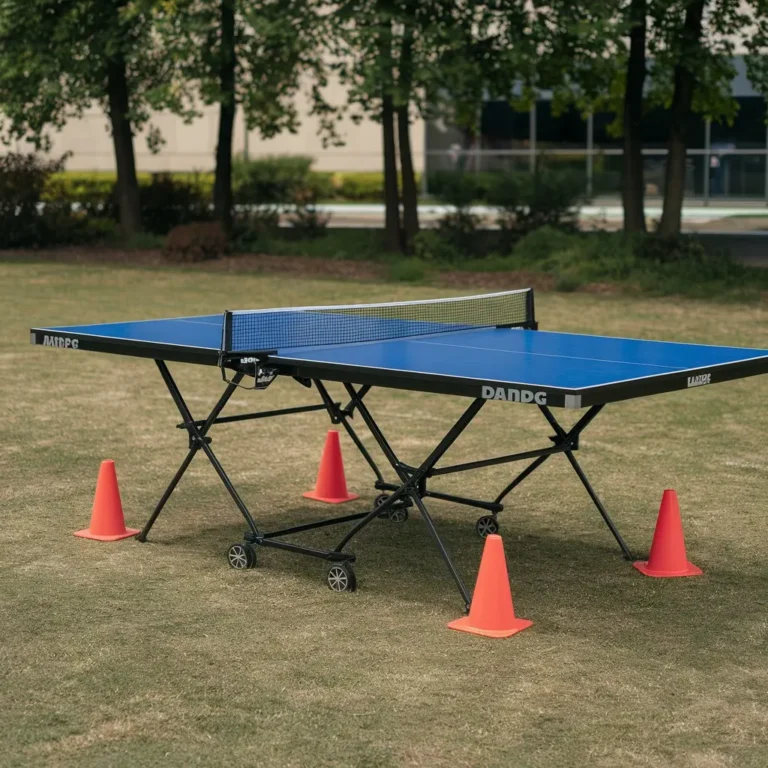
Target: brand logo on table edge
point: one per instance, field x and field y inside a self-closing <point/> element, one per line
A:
<point x="60" y="341"/>
<point x="700" y="380"/>
<point x="513" y="395"/>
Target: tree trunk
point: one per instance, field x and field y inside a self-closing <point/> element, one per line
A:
<point x="410" y="191"/>
<point x="222" y="185"/>
<point x="633" y="183"/>
<point x="122" y="139"/>
<point x="391" y="196"/>
<point x="685" y="82"/>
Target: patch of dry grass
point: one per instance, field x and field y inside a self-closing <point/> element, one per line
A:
<point x="129" y="654"/>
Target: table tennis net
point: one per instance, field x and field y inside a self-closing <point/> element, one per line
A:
<point x="279" y="329"/>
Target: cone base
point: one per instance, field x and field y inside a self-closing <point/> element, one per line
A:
<point x="515" y="626"/>
<point x="86" y="534"/>
<point x="690" y="570"/>
<point x="330" y="500"/>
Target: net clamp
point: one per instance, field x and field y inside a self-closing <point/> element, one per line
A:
<point x="254" y="365"/>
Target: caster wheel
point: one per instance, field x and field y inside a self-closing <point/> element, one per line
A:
<point x="379" y="500"/>
<point x="398" y="514"/>
<point x="241" y="557"/>
<point x="486" y="525"/>
<point x="341" y="577"/>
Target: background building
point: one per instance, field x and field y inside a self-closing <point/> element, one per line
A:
<point x="724" y="162"/>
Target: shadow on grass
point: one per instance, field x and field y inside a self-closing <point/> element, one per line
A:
<point x="566" y="584"/>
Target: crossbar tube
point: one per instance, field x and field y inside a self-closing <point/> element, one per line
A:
<point x="312" y="526"/>
<point x="260" y="415"/>
<point x="498" y="460"/>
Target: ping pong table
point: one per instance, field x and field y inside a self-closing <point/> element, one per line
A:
<point x="485" y="348"/>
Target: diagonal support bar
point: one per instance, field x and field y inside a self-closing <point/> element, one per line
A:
<point x="412" y="480"/>
<point x="197" y="435"/>
<point x="580" y="425"/>
<point x="341" y="416"/>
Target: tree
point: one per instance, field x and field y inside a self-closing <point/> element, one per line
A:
<point x="694" y="45"/>
<point x="405" y="58"/>
<point x="58" y="57"/>
<point x="633" y="183"/>
<point x="684" y="56"/>
<point x="362" y="49"/>
<point x="687" y="46"/>
<point x="249" y="55"/>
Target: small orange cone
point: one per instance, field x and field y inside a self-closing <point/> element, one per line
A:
<point x="667" y="558"/>
<point x="492" y="613"/>
<point x="107" y="523"/>
<point x="331" y="486"/>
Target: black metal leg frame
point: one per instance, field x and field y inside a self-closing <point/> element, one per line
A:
<point x="411" y="490"/>
<point x="564" y="441"/>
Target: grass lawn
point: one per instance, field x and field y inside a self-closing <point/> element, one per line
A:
<point x="128" y="655"/>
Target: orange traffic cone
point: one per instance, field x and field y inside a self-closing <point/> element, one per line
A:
<point x="331" y="486"/>
<point x="107" y="523"/>
<point x="492" y="613"/>
<point x="667" y="557"/>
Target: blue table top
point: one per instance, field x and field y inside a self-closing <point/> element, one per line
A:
<point x="528" y="358"/>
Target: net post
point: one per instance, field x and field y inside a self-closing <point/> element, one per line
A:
<point x="530" y="312"/>
<point x="226" y="335"/>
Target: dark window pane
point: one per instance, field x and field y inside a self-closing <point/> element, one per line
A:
<point x="602" y="138"/>
<point x="503" y="127"/>
<point x="656" y="123"/>
<point x="655" y="168"/>
<point x="568" y="130"/>
<point x="748" y="129"/>
<point x="737" y="176"/>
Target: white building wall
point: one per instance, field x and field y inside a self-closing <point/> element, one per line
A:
<point x="192" y="147"/>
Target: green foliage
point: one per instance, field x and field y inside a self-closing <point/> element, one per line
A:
<point x="100" y="230"/>
<point x="321" y="185"/>
<point x="166" y="199"/>
<point x="140" y="241"/>
<point x="254" y="229"/>
<point x="433" y="245"/>
<point x="273" y="179"/>
<point x="305" y="220"/>
<point x="407" y="270"/>
<point x="275" y="45"/>
<point x="91" y="193"/>
<point x="524" y="203"/>
<point x="167" y="202"/>
<point x="527" y="202"/>
<point x="81" y="186"/>
<point x="59" y="58"/>
<point x="24" y="222"/>
<point x="459" y="226"/>
<point x="441" y="184"/>
<point x="368" y="185"/>
<point x="648" y="263"/>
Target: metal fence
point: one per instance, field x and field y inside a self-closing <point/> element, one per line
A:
<point x="713" y="175"/>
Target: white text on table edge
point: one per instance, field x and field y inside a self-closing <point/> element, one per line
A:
<point x="513" y="395"/>
<point x="700" y="380"/>
<point x="60" y="341"/>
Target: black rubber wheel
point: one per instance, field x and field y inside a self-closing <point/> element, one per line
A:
<point x="378" y="501"/>
<point x="241" y="557"/>
<point x="486" y="525"/>
<point x="341" y="577"/>
<point x="398" y="514"/>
